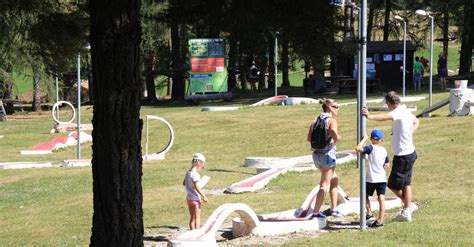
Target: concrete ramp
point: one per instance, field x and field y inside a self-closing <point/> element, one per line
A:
<point x="206" y="235"/>
<point x="434" y="107"/>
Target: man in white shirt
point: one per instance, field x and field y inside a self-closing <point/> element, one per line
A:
<point x="404" y="124"/>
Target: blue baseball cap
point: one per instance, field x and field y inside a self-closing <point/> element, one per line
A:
<point x="376" y="135"/>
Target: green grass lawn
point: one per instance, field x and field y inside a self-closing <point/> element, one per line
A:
<point x="53" y="206"/>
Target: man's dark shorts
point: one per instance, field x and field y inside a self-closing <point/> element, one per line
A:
<point x="379" y="187"/>
<point x="402" y="170"/>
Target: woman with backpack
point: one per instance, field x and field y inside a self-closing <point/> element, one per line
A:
<point x="323" y="136"/>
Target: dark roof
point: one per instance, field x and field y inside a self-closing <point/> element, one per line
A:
<point x="388" y="46"/>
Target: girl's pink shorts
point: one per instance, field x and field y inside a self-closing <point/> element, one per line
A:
<point x="193" y="202"/>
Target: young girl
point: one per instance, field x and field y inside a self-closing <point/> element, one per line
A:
<point x="194" y="192"/>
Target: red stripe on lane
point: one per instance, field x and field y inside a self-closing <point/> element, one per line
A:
<point x="257" y="179"/>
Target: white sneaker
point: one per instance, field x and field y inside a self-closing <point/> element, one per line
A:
<point x="413" y="207"/>
<point x="405" y="215"/>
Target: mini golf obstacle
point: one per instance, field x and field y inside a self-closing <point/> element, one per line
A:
<point x="206" y="235"/>
<point x="63" y="126"/>
<point x="285" y="100"/>
<point x="24" y="165"/>
<point x="58" y="143"/>
<point x="267" y="101"/>
<point x="270" y="168"/>
<point x="288" y="221"/>
<point x="160" y="155"/>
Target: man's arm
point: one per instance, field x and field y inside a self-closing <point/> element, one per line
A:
<point x="378" y="117"/>
<point x="416" y="123"/>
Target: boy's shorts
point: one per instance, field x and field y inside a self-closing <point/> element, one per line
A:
<point x="325" y="160"/>
<point x="379" y="187"/>
<point x="402" y="170"/>
<point x="417" y="79"/>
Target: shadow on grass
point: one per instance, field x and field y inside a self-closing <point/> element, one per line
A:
<point x="155" y="238"/>
<point x="165" y="227"/>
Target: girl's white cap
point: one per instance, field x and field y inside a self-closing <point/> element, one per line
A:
<point x="199" y="156"/>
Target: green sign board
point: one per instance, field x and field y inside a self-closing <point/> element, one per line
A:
<point x="208" y="72"/>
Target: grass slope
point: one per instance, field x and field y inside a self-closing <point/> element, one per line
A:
<point x="53" y="206"/>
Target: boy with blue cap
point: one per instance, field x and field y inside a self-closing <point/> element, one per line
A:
<point x="376" y="179"/>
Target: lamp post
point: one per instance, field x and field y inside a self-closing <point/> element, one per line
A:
<point x="424" y="13"/>
<point x="57" y="96"/>
<point x="87" y="46"/>
<point x="404" y="49"/>
<point x="79" y="106"/>
<point x="359" y="79"/>
<point x="362" y="95"/>
<point x="276" y="62"/>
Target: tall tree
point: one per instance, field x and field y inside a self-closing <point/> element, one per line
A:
<point x="387" y="21"/>
<point x="467" y="38"/>
<point x="176" y="22"/>
<point x="115" y="35"/>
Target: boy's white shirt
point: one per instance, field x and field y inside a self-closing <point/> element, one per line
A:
<point x="376" y="171"/>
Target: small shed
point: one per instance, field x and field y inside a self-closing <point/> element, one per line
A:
<point x="386" y="58"/>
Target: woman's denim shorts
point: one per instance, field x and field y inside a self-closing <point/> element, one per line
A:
<point x="325" y="160"/>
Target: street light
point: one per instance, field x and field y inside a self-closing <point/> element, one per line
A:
<point x="276" y="63"/>
<point x="361" y="99"/>
<point x="424" y="13"/>
<point x="87" y="47"/>
<point x="404" y="48"/>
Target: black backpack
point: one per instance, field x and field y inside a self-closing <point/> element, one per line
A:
<point x="319" y="138"/>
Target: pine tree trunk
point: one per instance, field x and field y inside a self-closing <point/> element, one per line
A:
<point x="370" y="22"/>
<point x="115" y="37"/>
<point x="386" y="26"/>
<point x="90" y="81"/>
<point x="271" y="62"/>
<point x="445" y="30"/>
<point x="232" y="80"/>
<point x="177" y="67"/>
<point x="150" y="79"/>
<point x="347" y="22"/>
<point x="36" y="105"/>
<point x="262" y="65"/>
<point x="285" y="60"/>
<point x="467" y="39"/>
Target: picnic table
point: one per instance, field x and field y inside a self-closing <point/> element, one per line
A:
<point x="9" y="103"/>
<point x="350" y="84"/>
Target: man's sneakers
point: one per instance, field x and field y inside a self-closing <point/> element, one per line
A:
<point x="319" y="215"/>
<point x="405" y="215"/>
<point x="336" y="213"/>
<point x="413" y="207"/>
<point x="376" y="224"/>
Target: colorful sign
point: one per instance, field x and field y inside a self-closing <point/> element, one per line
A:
<point x="208" y="72"/>
<point x="337" y="2"/>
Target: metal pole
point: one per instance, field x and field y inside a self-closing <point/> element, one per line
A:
<point x="57" y="96"/>
<point x="359" y="80"/>
<point x="404" y="54"/>
<point x="78" y="106"/>
<point x="363" y="101"/>
<point x="276" y="64"/>
<point x="431" y="61"/>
